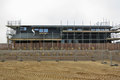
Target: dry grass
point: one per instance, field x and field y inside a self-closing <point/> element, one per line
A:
<point x="51" y="70"/>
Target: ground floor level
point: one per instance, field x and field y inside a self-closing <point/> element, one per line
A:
<point x="58" y="45"/>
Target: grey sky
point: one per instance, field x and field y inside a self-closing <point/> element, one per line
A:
<point x="53" y="11"/>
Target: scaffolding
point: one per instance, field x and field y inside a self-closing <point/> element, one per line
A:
<point x="65" y="47"/>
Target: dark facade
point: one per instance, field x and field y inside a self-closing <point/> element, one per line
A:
<point x="66" y="34"/>
<point x="60" y="34"/>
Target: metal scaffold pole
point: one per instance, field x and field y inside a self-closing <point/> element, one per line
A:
<point x="102" y="58"/>
<point x="20" y="51"/>
<point x="61" y="29"/>
<point x="52" y="40"/>
<point x="61" y="41"/>
<point x="82" y="38"/>
<point x="43" y="44"/>
<point x="74" y="36"/>
<point x="111" y="59"/>
<point x="75" y="42"/>
<point x="27" y="41"/>
<point x="27" y="46"/>
<point x="67" y="37"/>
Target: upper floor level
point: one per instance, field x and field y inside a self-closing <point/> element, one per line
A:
<point x="41" y="29"/>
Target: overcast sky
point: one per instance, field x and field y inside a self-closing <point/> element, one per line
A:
<point x="53" y="11"/>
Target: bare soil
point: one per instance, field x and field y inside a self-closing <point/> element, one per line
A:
<point x="63" y="70"/>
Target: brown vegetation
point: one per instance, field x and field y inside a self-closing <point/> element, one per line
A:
<point x="63" y="70"/>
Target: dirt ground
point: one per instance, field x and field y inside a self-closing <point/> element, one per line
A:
<point x="63" y="70"/>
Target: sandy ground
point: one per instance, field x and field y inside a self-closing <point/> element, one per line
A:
<point x="63" y="70"/>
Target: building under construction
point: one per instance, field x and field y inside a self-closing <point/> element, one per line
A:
<point x="59" y="37"/>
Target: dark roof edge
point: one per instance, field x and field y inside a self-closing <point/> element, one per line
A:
<point x="59" y="26"/>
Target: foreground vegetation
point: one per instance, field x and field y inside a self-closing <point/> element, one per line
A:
<point x="63" y="70"/>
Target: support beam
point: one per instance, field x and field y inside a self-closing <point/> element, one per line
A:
<point x="21" y="39"/>
<point x="75" y="31"/>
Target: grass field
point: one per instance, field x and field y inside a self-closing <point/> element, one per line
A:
<point x="63" y="70"/>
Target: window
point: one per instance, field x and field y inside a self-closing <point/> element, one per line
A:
<point x="46" y="30"/>
<point x="69" y="29"/>
<point x="36" y="29"/>
<point x="23" y="28"/>
<point x="97" y="29"/>
<point x="41" y="30"/>
<point x="93" y="29"/>
<point x="79" y="29"/>
<point x="106" y="29"/>
<point x="102" y="29"/>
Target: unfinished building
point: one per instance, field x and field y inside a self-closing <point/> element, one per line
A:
<point x="60" y="37"/>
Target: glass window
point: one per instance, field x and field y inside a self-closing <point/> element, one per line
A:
<point x="93" y="29"/>
<point x="36" y="29"/>
<point x="69" y="29"/>
<point x="41" y="30"/>
<point x="106" y="29"/>
<point x="97" y="29"/>
<point x="102" y="29"/>
<point x="79" y="29"/>
<point x="23" y="28"/>
<point x="45" y="30"/>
